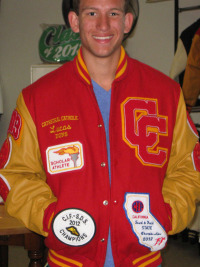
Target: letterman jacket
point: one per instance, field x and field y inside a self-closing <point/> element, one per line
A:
<point x="54" y="171"/>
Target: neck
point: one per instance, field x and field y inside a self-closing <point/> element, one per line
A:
<point x="102" y="70"/>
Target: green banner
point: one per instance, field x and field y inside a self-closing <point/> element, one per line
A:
<point x="58" y="44"/>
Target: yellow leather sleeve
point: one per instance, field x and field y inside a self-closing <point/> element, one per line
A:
<point x="181" y="188"/>
<point x="29" y="194"/>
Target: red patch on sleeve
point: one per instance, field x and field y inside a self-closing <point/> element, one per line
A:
<point x="5" y="153"/>
<point x="15" y="125"/>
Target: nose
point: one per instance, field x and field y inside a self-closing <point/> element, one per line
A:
<point x="103" y="23"/>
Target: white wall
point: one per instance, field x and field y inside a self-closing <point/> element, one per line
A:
<point x="19" y="34"/>
<point x="152" y="42"/>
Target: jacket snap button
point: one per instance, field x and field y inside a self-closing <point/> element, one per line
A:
<point x="105" y="202"/>
<point x="103" y="164"/>
<point x="103" y="240"/>
<point x="100" y="125"/>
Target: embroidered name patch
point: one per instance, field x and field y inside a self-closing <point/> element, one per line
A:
<point x="74" y="227"/>
<point x="64" y="157"/>
<point x="148" y="230"/>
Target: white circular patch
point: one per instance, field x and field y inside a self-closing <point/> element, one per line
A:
<point x="74" y="227"/>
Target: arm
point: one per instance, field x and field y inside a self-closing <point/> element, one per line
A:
<point x="181" y="188"/>
<point x="22" y="177"/>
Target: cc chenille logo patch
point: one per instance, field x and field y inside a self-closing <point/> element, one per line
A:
<point x="65" y="157"/>
<point x="142" y="129"/>
<point x="74" y="227"/>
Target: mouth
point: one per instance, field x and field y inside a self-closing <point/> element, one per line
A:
<point x="102" y="38"/>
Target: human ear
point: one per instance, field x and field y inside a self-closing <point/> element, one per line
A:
<point x="129" y="17"/>
<point x="73" y="21"/>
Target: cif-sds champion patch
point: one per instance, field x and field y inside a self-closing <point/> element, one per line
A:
<point x="74" y="227"/>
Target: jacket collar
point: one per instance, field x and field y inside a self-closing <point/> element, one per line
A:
<point x="83" y="72"/>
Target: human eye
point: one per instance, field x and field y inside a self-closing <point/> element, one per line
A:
<point x="92" y="13"/>
<point x="113" y="14"/>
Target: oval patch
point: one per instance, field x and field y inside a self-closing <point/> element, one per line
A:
<point x="74" y="227"/>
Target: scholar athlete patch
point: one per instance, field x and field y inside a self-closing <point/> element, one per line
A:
<point x="64" y="157"/>
<point x="74" y="227"/>
<point x="148" y="230"/>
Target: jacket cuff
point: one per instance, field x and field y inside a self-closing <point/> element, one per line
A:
<point x="48" y="216"/>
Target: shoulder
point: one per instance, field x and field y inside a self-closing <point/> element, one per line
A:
<point x="150" y="74"/>
<point x="49" y="83"/>
<point x="48" y="91"/>
<point x="152" y="83"/>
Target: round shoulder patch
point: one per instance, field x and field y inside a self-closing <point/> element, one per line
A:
<point x="74" y="227"/>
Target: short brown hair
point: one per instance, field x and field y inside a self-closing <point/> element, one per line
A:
<point x="127" y="6"/>
<point x="75" y="6"/>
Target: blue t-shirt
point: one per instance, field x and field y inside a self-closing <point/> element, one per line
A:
<point x="103" y="98"/>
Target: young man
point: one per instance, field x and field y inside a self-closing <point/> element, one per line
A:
<point x="99" y="153"/>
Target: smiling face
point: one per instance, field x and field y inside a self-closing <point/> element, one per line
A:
<point x="101" y="24"/>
